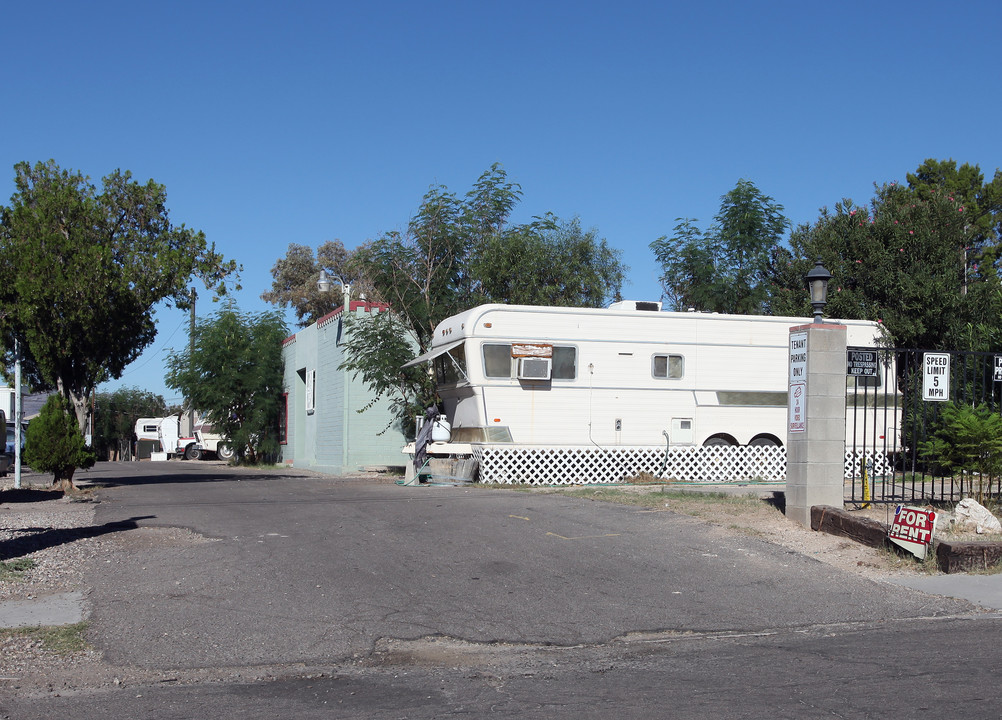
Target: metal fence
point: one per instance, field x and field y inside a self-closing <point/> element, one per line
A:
<point x="931" y="415"/>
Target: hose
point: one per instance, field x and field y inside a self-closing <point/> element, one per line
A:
<point x="416" y="478"/>
<point x="664" y="463"/>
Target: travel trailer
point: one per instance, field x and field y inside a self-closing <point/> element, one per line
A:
<point x="166" y="431"/>
<point x="627" y="375"/>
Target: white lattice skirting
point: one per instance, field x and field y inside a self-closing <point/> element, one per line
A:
<point x="575" y="465"/>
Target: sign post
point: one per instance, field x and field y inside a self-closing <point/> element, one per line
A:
<point x="815" y="466"/>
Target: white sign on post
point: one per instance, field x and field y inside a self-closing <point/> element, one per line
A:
<point x="797" y="401"/>
<point x="936" y="376"/>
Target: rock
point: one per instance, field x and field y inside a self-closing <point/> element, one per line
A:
<point x="971" y="513"/>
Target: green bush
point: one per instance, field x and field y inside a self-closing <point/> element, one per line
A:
<point x="967" y="439"/>
<point x="54" y="443"/>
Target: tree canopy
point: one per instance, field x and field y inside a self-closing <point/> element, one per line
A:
<point x="724" y="268"/>
<point x="294" y="280"/>
<point x="115" y="415"/>
<point x="234" y="376"/>
<point x="919" y="258"/>
<point x="82" y="270"/>
<point x="456" y="252"/>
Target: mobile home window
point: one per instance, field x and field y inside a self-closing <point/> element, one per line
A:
<point x="497" y="360"/>
<point x="565" y="360"/>
<point x="668" y="366"/>
<point x="450" y="367"/>
<point x="498" y="364"/>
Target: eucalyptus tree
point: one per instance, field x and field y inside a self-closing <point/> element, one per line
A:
<point x="294" y="280"/>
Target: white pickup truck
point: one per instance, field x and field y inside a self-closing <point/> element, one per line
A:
<point x="167" y="431"/>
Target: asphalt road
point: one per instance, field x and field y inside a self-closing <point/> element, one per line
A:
<point x="424" y="602"/>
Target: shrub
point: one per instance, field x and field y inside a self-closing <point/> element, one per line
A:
<point x="55" y="444"/>
<point x="967" y="439"/>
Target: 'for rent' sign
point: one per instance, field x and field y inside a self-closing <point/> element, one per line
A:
<point x="913" y="529"/>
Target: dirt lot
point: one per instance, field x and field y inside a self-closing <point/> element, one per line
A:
<point x="754" y="511"/>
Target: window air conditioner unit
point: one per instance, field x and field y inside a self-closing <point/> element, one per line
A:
<point x="534" y="368"/>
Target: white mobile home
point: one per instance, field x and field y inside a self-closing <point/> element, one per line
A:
<point x="622" y="376"/>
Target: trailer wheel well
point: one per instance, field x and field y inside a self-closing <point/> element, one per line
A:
<point x="765" y="441"/>
<point x="720" y="439"/>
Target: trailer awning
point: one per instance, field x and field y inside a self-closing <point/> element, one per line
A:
<point x="434" y="353"/>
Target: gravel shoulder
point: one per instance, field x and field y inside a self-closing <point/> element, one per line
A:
<point x="56" y="533"/>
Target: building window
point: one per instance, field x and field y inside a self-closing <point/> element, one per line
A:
<point x="311" y="391"/>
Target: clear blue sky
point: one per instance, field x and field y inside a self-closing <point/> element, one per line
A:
<point x="274" y="123"/>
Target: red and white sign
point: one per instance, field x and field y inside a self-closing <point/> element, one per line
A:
<point x="913" y="529"/>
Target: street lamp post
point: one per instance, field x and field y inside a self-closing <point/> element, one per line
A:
<point x="817" y="281"/>
<point x="324" y="285"/>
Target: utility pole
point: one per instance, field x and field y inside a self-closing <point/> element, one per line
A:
<point x="18" y="413"/>
<point x="191" y="359"/>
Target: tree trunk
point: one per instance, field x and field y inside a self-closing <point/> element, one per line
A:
<point x="63" y="479"/>
<point x="80" y="404"/>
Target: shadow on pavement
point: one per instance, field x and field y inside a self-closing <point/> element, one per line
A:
<point x="29" y="495"/>
<point x="42" y="538"/>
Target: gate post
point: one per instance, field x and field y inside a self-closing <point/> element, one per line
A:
<point x="815" y="472"/>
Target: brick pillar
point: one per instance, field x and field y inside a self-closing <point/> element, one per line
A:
<point x="815" y="446"/>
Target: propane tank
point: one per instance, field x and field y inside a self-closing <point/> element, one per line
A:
<point x="441" y="431"/>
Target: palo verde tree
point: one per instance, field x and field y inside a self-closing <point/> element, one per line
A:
<point x="724" y="268"/>
<point x="456" y="253"/>
<point x="234" y="376"/>
<point x="81" y="271"/>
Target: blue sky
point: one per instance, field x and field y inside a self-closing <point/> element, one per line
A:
<point x="274" y="123"/>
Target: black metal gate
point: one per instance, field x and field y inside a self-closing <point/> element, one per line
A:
<point x="923" y="426"/>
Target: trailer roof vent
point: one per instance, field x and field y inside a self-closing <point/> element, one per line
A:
<point x="646" y="305"/>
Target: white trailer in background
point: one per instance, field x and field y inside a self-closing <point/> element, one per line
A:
<point x="627" y="375"/>
<point x="167" y="432"/>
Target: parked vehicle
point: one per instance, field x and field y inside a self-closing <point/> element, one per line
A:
<point x="627" y="375"/>
<point x="9" y="452"/>
<point x="167" y="432"/>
